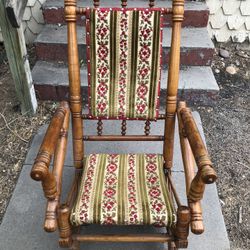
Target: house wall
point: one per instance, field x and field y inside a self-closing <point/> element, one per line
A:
<point x="32" y="20"/>
<point x="229" y="20"/>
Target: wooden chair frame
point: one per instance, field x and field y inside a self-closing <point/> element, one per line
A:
<point x="55" y="141"/>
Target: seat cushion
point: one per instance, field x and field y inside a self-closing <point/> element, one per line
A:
<point x="124" y="62"/>
<point x="125" y="189"/>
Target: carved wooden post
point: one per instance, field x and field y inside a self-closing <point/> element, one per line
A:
<point x="173" y="79"/>
<point x="65" y="231"/>
<point x="182" y="227"/>
<point x="15" y="47"/>
<point x="151" y="3"/>
<point x="74" y="82"/>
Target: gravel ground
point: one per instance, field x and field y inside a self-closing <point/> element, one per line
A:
<point x="226" y="127"/>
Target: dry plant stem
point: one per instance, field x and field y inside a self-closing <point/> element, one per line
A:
<point x="13" y="132"/>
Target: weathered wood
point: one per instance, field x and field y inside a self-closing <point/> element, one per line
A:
<point x="15" y="47"/>
<point x="15" y="10"/>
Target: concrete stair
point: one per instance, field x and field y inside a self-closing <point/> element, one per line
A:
<point x="196" y="52"/>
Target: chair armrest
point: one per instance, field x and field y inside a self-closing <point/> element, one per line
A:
<point x="195" y="183"/>
<point x="40" y="170"/>
<point x="206" y="173"/>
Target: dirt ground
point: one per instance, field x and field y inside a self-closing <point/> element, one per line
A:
<point x="226" y="126"/>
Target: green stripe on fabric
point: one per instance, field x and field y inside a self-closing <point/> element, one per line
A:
<point x="99" y="186"/>
<point x="164" y="189"/>
<point x="74" y="217"/>
<point x="121" y="198"/>
<point x="112" y="62"/>
<point x="143" y="188"/>
<point x="154" y="66"/>
<point x="93" y="60"/>
<point x="134" y="52"/>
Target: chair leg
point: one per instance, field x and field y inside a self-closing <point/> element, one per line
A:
<point x="172" y="246"/>
<point x="75" y="245"/>
<point x="64" y="226"/>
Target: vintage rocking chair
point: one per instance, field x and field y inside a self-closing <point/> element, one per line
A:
<point x="124" y="64"/>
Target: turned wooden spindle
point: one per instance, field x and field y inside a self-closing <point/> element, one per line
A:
<point x="99" y="127"/>
<point x="96" y="3"/>
<point x="74" y="82"/>
<point x="147" y="127"/>
<point x="173" y="80"/>
<point x="151" y="3"/>
<point x="124" y="3"/>
<point x="124" y="127"/>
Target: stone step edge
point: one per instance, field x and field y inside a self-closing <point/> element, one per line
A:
<point x="196" y="13"/>
<point x="196" y="48"/>
<point x="197" y="84"/>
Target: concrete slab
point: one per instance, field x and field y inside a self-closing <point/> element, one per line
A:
<point x="190" y="37"/>
<point x="194" y="77"/>
<point x="22" y="225"/>
<point x="197" y="48"/>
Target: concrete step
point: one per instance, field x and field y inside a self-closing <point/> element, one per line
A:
<point x="196" y="13"/>
<point x="197" y="84"/>
<point x="197" y="48"/>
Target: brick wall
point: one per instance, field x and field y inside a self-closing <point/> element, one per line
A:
<point x="229" y="20"/>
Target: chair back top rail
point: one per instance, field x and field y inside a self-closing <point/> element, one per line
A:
<point x="96" y="3"/>
<point x="82" y="10"/>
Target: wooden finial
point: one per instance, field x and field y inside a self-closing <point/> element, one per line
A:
<point x="178" y="10"/>
<point x="151" y="3"/>
<point x="96" y="3"/>
<point x="147" y="127"/>
<point x="124" y="3"/>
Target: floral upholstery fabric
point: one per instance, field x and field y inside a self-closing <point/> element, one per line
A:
<point x="125" y="189"/>
<point x="124" y="62"/>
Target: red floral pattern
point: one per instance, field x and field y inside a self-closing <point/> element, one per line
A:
<point x="144" y="63"/>
<point x="102" y="61"/>
<point x="157" y="204"/>
<point x="111" y="195"/>
<point x="128" y="82"/>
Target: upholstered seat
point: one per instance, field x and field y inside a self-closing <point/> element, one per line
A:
<point x="125" y="189"/>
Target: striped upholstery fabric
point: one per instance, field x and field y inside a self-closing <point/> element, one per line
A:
<point x="126" y="189"/>
<point x="124" y="62"/>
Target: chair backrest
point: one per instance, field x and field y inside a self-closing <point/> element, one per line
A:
<point x="124" y="65"/>
<point x="124" y="62"/>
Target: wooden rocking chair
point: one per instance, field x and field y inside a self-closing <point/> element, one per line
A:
<point x="124" y="65"/>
